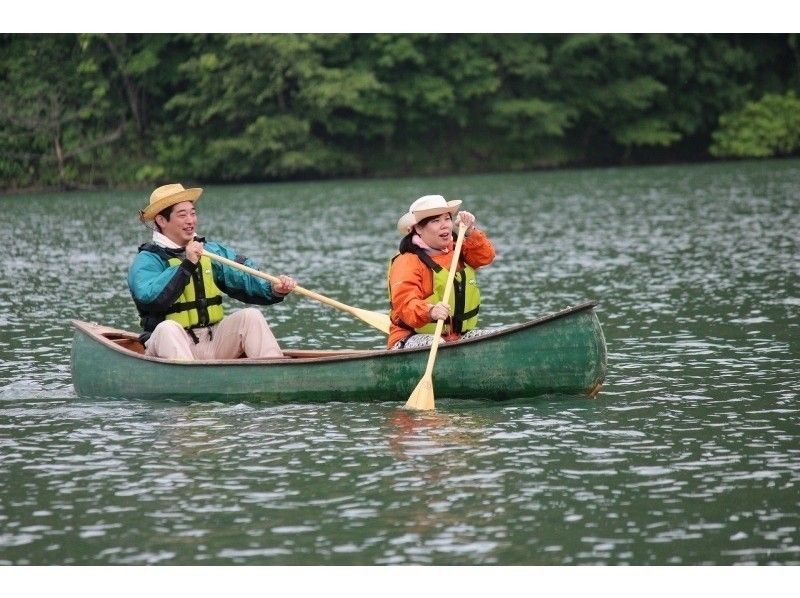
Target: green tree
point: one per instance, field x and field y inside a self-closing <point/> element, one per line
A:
<point x="433" y="93"/>
<point x="652" y="90"/>
<point x="56" y="113"/>
<point x="111" y="109"/>
<point x="141" y="70"/>
<point x="530" y="119"/>
<point x="764" y="128"/>
<point x="604" y="80"/>
<point x="258" y="106"/>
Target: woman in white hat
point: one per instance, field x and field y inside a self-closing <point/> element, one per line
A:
<point x="418" y="273"/>
<point x="178" y="291"/>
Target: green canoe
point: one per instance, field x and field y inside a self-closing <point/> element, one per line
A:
<point x="558" y="353"/>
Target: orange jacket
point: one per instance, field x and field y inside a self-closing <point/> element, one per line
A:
<point x="411" y="282"/>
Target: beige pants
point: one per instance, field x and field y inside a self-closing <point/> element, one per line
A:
<point x="242" y="333"/>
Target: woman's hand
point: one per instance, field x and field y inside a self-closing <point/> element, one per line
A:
<point x="285" y="285"/>
<point x="440" y="311"/>
<point x="468" y="220"/>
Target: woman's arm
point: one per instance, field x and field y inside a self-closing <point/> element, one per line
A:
<point x="410" y="285"/>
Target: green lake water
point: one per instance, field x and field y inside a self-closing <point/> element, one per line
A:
<point x="689" y="455"/>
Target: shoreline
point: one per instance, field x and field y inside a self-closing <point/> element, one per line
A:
<point x="21" y="191"/>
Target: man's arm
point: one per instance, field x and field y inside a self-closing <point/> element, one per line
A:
<point x="156" y="284"/>
<point x="240" y="285"/>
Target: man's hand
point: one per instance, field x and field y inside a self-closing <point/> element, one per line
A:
<point x="194" y="249"/>
<point x="285" y="286"/>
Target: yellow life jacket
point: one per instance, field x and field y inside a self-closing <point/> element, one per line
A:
<point x="465" y="299"/>
<point x="200" y="303"/>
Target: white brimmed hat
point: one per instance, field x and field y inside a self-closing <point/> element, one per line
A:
<point x="406" y="223"/>
<point x="425" y="207"/>
<point x="168" y="195"/>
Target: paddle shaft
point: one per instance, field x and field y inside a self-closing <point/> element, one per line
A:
<point x="378" y="320"/>
<point x="422" y="396"/>
<point x="448" y="289"/>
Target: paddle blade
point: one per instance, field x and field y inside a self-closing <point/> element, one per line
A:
<point x="376" y="320"/>
<point x="421" y="398"/>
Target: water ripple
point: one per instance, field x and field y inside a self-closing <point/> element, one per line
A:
<point x="688" y="456"/>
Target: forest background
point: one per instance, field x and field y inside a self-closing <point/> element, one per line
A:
<point x="125" y="110"/>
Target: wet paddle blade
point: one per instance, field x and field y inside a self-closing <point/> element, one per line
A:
<point x="421" y="398"/>
<point x="375" y="319"/>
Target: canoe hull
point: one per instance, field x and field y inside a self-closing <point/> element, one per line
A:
<point x="562" y="353"/>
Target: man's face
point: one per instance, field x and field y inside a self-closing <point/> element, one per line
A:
<point x="180" y="227"/>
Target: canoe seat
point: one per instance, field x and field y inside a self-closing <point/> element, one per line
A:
<point x="131" y="344"/>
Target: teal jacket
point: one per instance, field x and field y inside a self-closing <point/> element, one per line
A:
<point x="155" y="285"/>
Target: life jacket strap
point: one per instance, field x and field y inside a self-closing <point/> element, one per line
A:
<point x="197" y="304"/>
<point x="191" y="333"/>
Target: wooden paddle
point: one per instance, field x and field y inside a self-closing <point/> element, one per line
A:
<point x="374" y="319"/>
<point x="422" y="396"/>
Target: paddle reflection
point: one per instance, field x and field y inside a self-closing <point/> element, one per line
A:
<point x="414" y="434"/>
<point x="435" y="452"/>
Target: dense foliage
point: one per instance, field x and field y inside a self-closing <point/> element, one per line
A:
<point x="123" y="109"/>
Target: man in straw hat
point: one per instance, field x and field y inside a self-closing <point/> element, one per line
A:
<point x="418" y="273"/>
<point x="178" y="291"/>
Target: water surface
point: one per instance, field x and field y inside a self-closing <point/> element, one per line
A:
<point x="690" y="455"/>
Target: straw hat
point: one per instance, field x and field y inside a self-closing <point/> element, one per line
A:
<point x="405" y="223"/>
<point x="425" y="207"/>
<point x="168" y="195"/>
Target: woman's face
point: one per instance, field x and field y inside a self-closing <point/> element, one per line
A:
<point x="437" y="232"/>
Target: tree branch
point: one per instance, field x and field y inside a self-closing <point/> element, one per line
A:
<point x="104" y="140"/>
